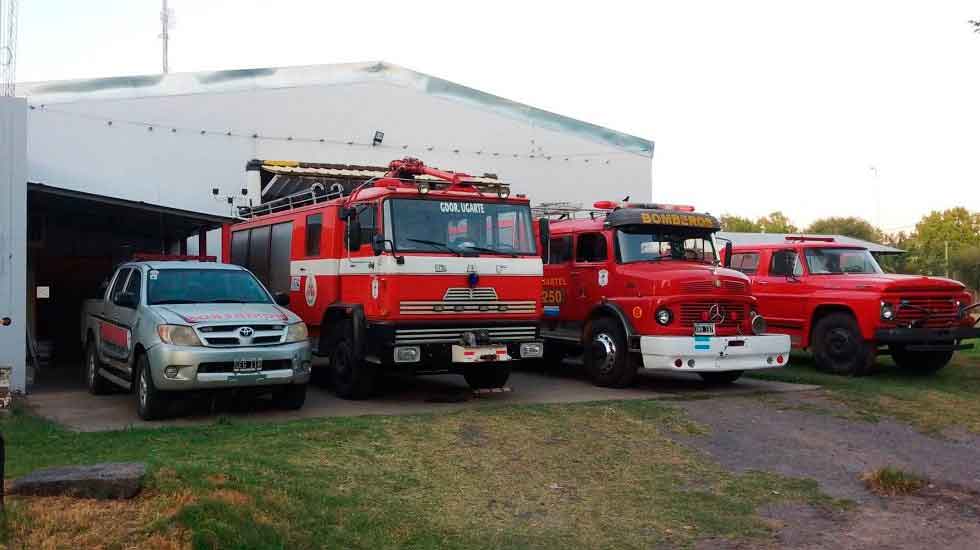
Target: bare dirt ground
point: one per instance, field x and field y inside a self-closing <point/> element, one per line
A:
<point x="806" y="435"/>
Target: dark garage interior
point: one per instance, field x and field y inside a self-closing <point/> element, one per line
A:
<point x="75" y="240"/>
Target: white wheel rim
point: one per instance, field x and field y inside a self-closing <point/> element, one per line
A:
<point x="142" y="388"/>
<point x="91" y="369"/>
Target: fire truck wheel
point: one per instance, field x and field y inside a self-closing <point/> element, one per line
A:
<point x="607" y="360"/>
<point x="151" y="403"/>
<point x="353" y="378"/>
<point x="291" y="397"/>
<point x="484" y="377"/>
<point x="726" y="377"/>
<point x="97" y="385"/>
<point x="838" y="346"/>
<point x="920" y="362"/>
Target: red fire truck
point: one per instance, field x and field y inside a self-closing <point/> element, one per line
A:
<point x="419" y="269"/>
<point x="834" y="299"/>
<point x="639" y="286"/>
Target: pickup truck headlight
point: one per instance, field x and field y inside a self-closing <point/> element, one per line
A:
<point x="297" y="332"/>
<point x="887" y="311"/>
<point x="178" y="335"/>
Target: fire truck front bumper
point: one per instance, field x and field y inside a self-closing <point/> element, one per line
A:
<point x="928" y="339"/>
<point x="714" y="353"/>
<point x="447" y="343"/>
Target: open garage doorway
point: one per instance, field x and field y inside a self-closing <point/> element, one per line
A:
<point x="75" y="240"/>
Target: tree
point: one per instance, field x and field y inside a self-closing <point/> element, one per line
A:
<point x="896" y="263"/>
<point x="975" y="23"/>
<point x="738" y="224"/>
<point x="851" y="227"/>
<point x="776" y="222"/>
<point x="956" y="228"/>
<point x="965" y="263"/>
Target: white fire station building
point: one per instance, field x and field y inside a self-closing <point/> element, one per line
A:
<point x="92" y="171"/>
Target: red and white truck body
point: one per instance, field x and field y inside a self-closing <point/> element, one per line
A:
<point x="421" y="269"/>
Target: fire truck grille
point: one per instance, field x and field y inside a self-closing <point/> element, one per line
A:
<point x="465" y="294"/>
<point x="928" y="312"/>
<point x="458" y="307"/>
<point x="700" y="312"/>
<point x="702" y="287"/>
<point x="227" y="336"/>
<point x="452" y="335"/>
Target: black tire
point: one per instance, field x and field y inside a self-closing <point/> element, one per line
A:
<point x="353" y="378"/>
<point x="719" y="378"/>
<point x="291" y="397"/>
<point x="839" y="348"/>
<point x="151" y="403"/>
<point x="607" y="360"/>
<point x="97" y="385"/>
<point x="483" y="377"/>
<point x="920" y="362"/>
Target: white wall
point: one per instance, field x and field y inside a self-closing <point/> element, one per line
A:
<point x="13" y="237"/>
<point x="72" y="145"/>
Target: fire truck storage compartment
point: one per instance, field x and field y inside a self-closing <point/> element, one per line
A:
<point x="75" y="240"/>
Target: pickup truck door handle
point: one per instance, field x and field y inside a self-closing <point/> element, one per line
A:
<point x="762" y="282"/>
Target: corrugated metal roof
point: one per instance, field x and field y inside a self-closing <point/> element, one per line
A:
<point x="777" y="238"/>
<point x="125" y="87"/>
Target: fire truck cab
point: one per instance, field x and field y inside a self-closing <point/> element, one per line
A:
<point x="639" y="286"/>
<point x="419" y="270"/>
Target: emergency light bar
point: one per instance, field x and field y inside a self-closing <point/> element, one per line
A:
<point x="612" y="205"/>
<point x="806" y="238"/>
<point x="151" y="257"/>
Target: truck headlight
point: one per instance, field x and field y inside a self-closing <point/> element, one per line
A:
<point x="532" y="350"/>
<point x="759" y="325"/>
<point x="178" y="335"/>
<point x="664" y="316"/>
<point x="297" y="332"/>
<point x="887" y="311"/>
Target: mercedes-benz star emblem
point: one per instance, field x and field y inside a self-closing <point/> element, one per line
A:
<point x="716" y="314"/>
<point x="246" y="332"/>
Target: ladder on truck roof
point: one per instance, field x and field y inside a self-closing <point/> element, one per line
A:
<point x="566" y="211"/>
<point x="314" y="195"/>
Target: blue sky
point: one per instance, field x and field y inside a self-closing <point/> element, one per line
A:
<point x="754" y="105"/>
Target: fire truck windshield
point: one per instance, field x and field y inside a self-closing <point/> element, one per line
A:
<point x="644" y="243"/>
<point x="835" y="261"/>
<point x="423" y="225"/>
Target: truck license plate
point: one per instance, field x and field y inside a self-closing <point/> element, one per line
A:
<point x="479" y="354"/>
<point x="247" y="365"/>
<point x="704" y="329"/>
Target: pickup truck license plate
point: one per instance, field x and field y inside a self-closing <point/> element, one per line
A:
<point x="247" y="365"/>
<point x="704" y="329"/>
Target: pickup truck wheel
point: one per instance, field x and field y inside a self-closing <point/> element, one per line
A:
<point x="97" y="385"/>
<point x="838" y="346"/>
<point x="482" y="377"/>
<point x="151" y="403"/>
<point x="353" y="378"/>
<point x="607" y="360"/>
<point x="291" y="397"/>
<point x="725" y="377"/>
<point x="920" y="362"/>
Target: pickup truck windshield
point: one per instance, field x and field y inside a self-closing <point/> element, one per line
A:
<point x="204" y="286"/>
<point x="459" y="227"/>
<point x="834" y="261"/>
<point x="643" y="243"/>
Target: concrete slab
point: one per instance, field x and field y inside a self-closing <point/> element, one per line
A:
<point x="73" y="407"/>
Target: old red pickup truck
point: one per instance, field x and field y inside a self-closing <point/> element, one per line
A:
<point x="835" y="300"/>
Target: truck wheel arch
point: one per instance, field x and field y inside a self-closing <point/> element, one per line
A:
<point x="611" y="311"/>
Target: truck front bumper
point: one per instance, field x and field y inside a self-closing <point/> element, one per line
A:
<point x="927" y="339"/>
<point x="714" y="353"/>
<point x="201" y="368"/>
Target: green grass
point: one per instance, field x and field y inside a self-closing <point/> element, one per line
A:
<point x="890" y="481"/>
<point x="933" y="403"/>
<point x="583" y="475"/>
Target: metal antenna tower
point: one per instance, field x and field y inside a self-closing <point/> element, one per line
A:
<point x="8" y="47"/>
<point x="166" y="23"/>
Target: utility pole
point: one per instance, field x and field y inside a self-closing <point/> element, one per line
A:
<point x="166" y="16"/>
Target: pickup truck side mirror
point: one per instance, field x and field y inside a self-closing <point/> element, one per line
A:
<point x="125" y="299"/>
<point x="728" y="254"/>
<point x="282" y="299"/>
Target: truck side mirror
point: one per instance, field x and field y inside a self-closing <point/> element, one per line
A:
<point x="544" y="235"/>
<point x="377" y="244"/>
<point x="125" y="299"/>
<point x="345" y="213"/>
<point x="282" y="299"/>
<point x="354" y="234"/>
<point x="728" y="254"/>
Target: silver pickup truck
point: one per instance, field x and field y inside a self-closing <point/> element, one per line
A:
<point x="173" y="326"/>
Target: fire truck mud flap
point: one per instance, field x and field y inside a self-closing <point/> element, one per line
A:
<point x="714" y="353"/>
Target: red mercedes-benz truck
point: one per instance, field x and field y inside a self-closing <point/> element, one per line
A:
<point x="420" y="270"/>
<point x="639" y="286"/>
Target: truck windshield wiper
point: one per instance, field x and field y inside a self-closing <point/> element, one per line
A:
<point x="223" y="301"/>
<point x="171" y="302"/>
<point x="437" y="243"/>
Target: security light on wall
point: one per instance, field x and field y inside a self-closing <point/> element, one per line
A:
<point x="379" y="136"/>
<point x="214" y="191"/>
